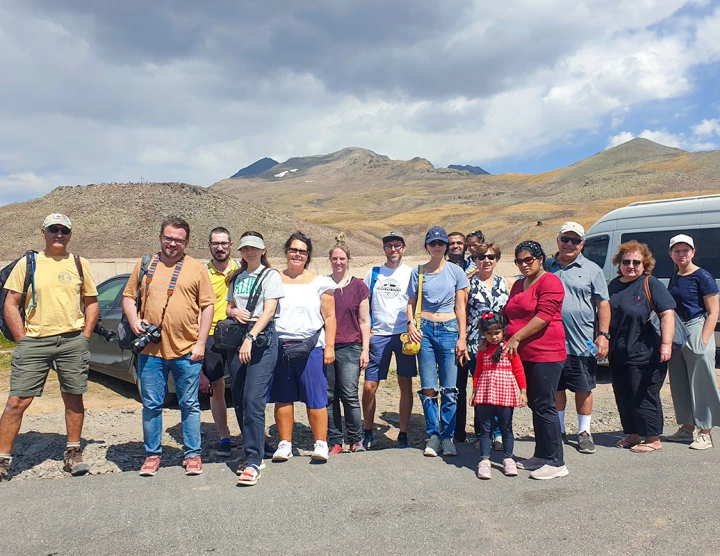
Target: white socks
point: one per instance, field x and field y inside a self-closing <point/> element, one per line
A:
<point x="584" y="423"/>
<point x="561" y="416"/>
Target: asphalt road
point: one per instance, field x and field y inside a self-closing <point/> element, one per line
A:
<point x="385" y="502"/>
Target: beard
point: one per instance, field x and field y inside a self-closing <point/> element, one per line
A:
<point x="221" y="258"/>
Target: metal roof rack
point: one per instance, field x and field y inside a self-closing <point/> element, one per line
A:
<point x="658" y="201"/>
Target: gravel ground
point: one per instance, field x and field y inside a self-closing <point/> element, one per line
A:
<point x="113" y="429"/>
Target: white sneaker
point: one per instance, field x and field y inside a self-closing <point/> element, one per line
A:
<point x="547" y="472"/>
<point x="702" y="442"/>
<point x="320" y="453"/>
<point x="283" y="452"/>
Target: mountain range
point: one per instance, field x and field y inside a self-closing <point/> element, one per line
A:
<point x="364" y="194"/>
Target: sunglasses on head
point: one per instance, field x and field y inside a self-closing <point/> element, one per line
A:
<point x="488" y="256"/>
<point x="573" y="240"/>
<point x="628" y="262"/>
<point x="526" y="260"/>
<point x="61" y="229"/>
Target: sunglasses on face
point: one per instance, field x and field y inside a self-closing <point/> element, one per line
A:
<point x="296" y="251"/>
<point x="58" y="229"/>
<point x="573" y="240"/>
<point x="628" y="262"/>
<point x="526" y="260"/>
<point x="489" y="257"/>
<point x="436" y="243"/>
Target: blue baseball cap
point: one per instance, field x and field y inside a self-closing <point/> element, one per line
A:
<point x="436" y="233"/>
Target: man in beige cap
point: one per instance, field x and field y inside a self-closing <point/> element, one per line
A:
<point x="54" y="333"/>
<point x="586" y="317"/>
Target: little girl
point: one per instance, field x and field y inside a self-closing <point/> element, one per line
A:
<point x="495" y="394"/>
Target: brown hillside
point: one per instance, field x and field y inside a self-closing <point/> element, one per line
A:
<point x="356" y="189"/>
<point x="123" y="220"/>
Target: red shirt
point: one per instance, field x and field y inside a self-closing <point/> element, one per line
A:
<point x="543" y="299"/>
<point x="347" y="307"/>
<point x="493" y="383"/>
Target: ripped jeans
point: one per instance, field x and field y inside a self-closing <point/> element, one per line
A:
<point x="437" y="359"/>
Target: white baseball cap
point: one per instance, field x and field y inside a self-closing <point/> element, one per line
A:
<point x="251" y="241"/>
<point x="682" y="238"/>
<point x="573" y="227"/>
<point x="57" y="218"/>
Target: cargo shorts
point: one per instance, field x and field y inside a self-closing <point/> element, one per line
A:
<point x="68" y="354"/>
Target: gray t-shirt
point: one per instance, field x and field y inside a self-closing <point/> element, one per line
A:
<point x="584" y="284"/>
<point x="271" y="288"/>
<point x="438" y="295"/>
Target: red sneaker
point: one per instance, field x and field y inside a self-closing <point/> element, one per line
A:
<point x="193" y="465"/>
<point x="150" y="467"/>
<point x="336" y="449"/>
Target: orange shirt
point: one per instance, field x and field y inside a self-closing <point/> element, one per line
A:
<point x="193" y="293"/>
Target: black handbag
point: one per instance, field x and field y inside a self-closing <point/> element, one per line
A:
<point x="229" y="333"/>
<point x="301" y="349"/>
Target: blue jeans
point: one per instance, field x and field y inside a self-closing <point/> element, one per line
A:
<point x="490" y="416"/>
<point x="250" y="385"/>
<point x="153" y="375"/>
<point x="437" y="358"/>
<point x="343" y="378"/>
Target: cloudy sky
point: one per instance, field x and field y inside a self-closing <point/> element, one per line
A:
<point x="95" y="91"/>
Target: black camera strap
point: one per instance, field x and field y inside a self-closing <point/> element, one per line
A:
<point x="255" y="292"/>
<point x="171" y="287"/>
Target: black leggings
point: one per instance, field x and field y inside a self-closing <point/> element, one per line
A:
<point x="637" y="395"/>
<point x="542" y="383"/>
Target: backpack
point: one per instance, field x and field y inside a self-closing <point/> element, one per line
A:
<point x="124" y="334"/>
<point x="29" y="282"/>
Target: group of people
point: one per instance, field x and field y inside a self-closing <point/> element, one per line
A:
<point x="524" y="339"/>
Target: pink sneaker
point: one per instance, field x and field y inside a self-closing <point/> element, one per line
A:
<point x="483" y="470"/>
<point x="509" y="467"/>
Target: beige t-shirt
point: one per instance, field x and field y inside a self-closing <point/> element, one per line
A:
<point x="57" y="294"/>
<point x="193" y="292"/>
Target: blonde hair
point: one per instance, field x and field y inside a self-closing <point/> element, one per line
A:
<point x="340" y="244"/>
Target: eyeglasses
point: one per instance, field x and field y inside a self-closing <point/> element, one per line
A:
<point x="628" y="262"/>
<point x="573" y="240"/>
<point x="223" y="244"/>
<point x="394" y="246"/>
<point x="296" y="251"/>
<point x="488" y="256"/>
<point x="58" y="229"/>
<point x="171" y="240"/>
<point x="436" y="243"/>
<point x="526" y="260"/>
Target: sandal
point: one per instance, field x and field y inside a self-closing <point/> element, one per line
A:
<point x="249" y="476"/>
<point x="625" y="444"/>
<point x="643" y="448"/>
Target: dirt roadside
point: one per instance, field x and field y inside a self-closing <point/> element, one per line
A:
<point x="113" y="429"/>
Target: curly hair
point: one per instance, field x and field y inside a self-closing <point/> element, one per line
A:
<point x="631" y="246"/>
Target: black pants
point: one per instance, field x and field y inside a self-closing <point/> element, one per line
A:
<point x="542" y="383"/>
<point x="637" y="395"/>
<point x="468" y="369"/>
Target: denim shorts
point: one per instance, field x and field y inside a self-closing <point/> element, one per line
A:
<point x="381" y="351"/>
<point x="300" y="380"/>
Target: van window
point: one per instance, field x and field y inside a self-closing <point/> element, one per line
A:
<point x="596" y="249"/>
<point x="707" y="245"/>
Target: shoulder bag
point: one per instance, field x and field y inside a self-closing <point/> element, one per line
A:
<point x="229" y="333"/>
<point x="681" y="333"/>
<point x="409" y="347"/>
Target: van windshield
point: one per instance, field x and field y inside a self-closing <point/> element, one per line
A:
<point x="707" y="246"/>
<point x="596" y="249"/>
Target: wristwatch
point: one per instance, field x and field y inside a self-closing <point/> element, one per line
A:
<point x="605" y="335"/>
<point x="250" y="337"/>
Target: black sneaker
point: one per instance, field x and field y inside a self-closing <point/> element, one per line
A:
<point x="564" y="437"/>
<point x="73" y="462"/>
<point x="5" y="469"/>
<point x="585" y="443"/>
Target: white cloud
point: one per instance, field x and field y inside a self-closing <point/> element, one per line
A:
<point x="195" y="92"/>
<point x="707" y="128"/>
<point x="619" y="139"/>
<point x="664" y="138"/>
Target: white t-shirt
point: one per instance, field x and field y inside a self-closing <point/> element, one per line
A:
<point x="300" y="317"/>
<point x="389" y="299"/>
<point x="271" y="287"/>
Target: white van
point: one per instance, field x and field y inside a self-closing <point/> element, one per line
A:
<point x="654" y="223"/>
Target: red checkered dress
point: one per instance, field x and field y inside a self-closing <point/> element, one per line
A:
<point x="497" y="383"/>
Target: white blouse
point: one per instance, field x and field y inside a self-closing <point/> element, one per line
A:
<point x="300" y="316"/>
